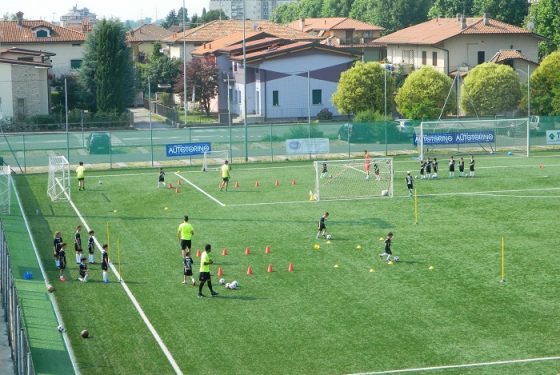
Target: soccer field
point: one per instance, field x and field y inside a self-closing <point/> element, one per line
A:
<point x="342" y="310"/>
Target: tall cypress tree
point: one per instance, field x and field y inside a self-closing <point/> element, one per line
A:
<point x="107" y="70"/>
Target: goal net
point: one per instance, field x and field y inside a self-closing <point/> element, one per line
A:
<point x="472" y="136"/>
<point x="59" y="178"/>
<point x="212" y="160"/>
<point x="5" y="189"/>
<point x="353" y="179"/>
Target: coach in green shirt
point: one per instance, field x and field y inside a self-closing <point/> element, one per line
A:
<point x="184" y="234"/>
<point x="204" y="277"/>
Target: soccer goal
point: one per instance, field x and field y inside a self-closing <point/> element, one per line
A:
<point x="214" y="159"/>
<point x="472" y="136"/>
<point x="353" y="179"/>
<point x="59" y="178"/>
<point x="5" y="189"/>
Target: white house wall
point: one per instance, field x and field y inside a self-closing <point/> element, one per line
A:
<point x="6" y="98"/>
<point x="65" y="52"/>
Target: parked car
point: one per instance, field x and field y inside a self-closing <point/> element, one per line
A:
<point x="99" y="143"/>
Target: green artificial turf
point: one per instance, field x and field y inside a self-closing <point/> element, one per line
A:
<point x="361" y="316"/>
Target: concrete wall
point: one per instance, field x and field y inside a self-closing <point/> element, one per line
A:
<point x="6" y="99"/>
<point x="30" y="84"/>
<point x="65" y="52"/>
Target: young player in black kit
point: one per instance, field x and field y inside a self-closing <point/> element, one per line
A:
<point x="161" y="178"/>
<point x="78" y="244"/>
<point x="451" y="167"/>
<point x="62" y="261"/>
<point x="409" y="184"/>
<point x="187" y="269"/>
<point x="429" y="168"/>
<point x="461" y="167"/>
<point x="321" y="226"/>
<point x="57" y="241"/>
<point x="422" y="168"/>
<point x="91" y="247"/>
<point x="388" y="251"/>
<point x="471" y="166"/>
<point x="436" y="167"/>
<point x="83" y="270"/>
<point x="105" y="263"/>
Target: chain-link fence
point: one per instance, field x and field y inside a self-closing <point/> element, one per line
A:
<point x="17" y="336"/>
<point x="27" y="152"/>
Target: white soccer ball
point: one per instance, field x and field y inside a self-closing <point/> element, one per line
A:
<point x="228" y="285"/>
<point x="396" y="259"/>
<point x="222" y="281"/>
<point x="100" y="182"/>
<point x="384" y="193"/>
<point x="60" y="328"/>
<point x="328" y="237"/>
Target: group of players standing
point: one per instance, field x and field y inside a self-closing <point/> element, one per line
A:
<point x="429" y="168"/>
<point x="59" y="254"/>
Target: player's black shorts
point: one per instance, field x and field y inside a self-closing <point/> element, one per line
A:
<point x="90" y="250"/>
<point x="204" y="276"/>
<point x="161" y="179"/>
<point x="185" y="244"/>
<point x="77" y="247"/>
<point x="471" y="169"/>
<point x="187" y="272"/>
<point x="225" y="179"/>
<point x="388" y="251"/>
<point x="461" y="169"/>
<point x="322" y="227"/>
<point x="451" y="168"/>
<point x="80" y="179"/>
<point x="104" y="266"/>
<point x="62" y="263"/>
<point x="409" y="186"/>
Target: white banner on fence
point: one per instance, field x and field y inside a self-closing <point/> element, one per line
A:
<point x="308" y="146"/>
<point x="553" y="137"/>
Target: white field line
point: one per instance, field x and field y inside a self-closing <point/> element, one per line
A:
<point x="128" y="292"/>
<point x="466" y="365"/>
<point x="51" y="295"/>
<point x="487" y="192"/>
<point x="199" y="189"/>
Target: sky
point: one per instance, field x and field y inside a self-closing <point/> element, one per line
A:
<point x="123" y="9"/>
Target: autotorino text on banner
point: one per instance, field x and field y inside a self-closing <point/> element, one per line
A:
<point x="454" y="138"/>
<point x="187" y="149"/>
<point x="307" y="146"/>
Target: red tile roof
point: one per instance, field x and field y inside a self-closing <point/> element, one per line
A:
<point x="147" y="33"/>
<point x="217" y="29"/>
<point x="20" y="62"/>
<point x="11" y="32"/>
<point x="333" y="23"/>
<point x="228" y="40"/>
<point x="439" y="29"/>
<point x="276" y="50"/>
<point x="509" y="55"/>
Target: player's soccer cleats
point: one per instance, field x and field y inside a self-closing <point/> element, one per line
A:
<point x="62" y="278"/>
<point x="214" y="294"/>
<point x="200" y="295"/>
<point x="184" y="281"/>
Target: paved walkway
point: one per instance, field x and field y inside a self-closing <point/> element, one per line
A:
<point x="142" y="119"/>
<point x="6" y="364"/>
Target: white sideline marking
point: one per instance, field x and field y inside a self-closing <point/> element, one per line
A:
<point x="199" y="189"/>
<point x="133" y="299"/>
<point x="466" y="365"/>
<point x="487" y="192"/>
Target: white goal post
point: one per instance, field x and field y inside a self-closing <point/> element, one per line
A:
<point x="353" y="178"/>
<point x="212" y="160"/>
<point x="5" y="189"/>
<point x="59" y="178"/>
<point x="472" y="136"/>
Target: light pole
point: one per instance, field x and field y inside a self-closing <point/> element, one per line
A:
<point x="385" y="106"/>
<point x="82" y="123"/>
<point x="66" y="113"/>
<point x="229" y="114"/>
<point x="150" y="119"/>
<point x="185" y="103"/>
<point x="245" y="88"/>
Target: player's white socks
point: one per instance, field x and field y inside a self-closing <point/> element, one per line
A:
<point x="90" y="258"/>
<point x="193" y="280"/>
<point x="78" y="258"/>
<point x="105" y="278"/>
<point x="451" y="174"/>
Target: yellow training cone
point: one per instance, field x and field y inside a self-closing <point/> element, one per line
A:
<point x="371" y="270"/>
<point x="358" y="247"/>
<point x="380" y="238"/>
<point x="336" y="266"/>
<point x="431" y="268"/>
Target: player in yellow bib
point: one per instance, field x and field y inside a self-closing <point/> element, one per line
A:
<point x="204" y="277"/>
<point x="224" y="169"/>
<point x="184" y="234"/>
<point x="80" y="173"/>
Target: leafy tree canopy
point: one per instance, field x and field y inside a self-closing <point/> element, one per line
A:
<point x="510" y="11"/>
<point x="545" y="15"/>
<point x="545" y="86"/>
<point x="202" y="75"/>
<point x="450" y="8"/>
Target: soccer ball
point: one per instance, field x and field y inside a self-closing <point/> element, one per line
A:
<point x="384" y="193"/>
<point x="50" y="288"/>
<point x="60" y="328"/>
<point x="84" y="333"/>
<point x="100" y="182"/>
<point x="396" y="259"/>
<point x="328" y="237"/>
<point x="222" y="281"/>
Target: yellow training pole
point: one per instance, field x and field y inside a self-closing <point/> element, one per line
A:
<point x="415" y="208"/>
<point x="503" y="263"/>
<point x="119" y="257"/>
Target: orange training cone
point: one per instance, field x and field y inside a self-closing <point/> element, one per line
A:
<point x="249" y="270"/>
<point x="276" y="183"/>
<point x="267" y="250"/>
<point x="220" y="272"/>
<point x="269" y="269"/>
<point x="198" y="252"/>
<point x="236" y="184"/>
<point x="257" y="183"/>
<point x="177" y="189"/>
<point x="291" y="267"/>
<point x="247" y="251"/>
<point x="169" y="186"/>
<point x="224" y="252"/>
<point x="179" y="182"/>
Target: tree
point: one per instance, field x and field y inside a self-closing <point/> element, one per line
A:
<point x="106" y="73"/>
<point x="170" y="20"/>
<point x="450" y="8"/>
<point x="161" y="69"/>
<point x="490" y="89"/>
<point x="394" y="15"/>
<point x="336" y="8"/>
<point x="212" y="15"/>
<point x="362" y="88"/>
<point x="202" y="75"/>
<point x="510" y="11"/>
<point x="545" y="86"/>
<point x="363" y="10"/>
<point x="310" y="8"/>
<point x="286" y="13"/>
<point x="423" y="95"/>
<point x="545" y="15"/>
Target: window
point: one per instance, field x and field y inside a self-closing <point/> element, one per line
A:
<point x="481" y="57"/>
<point x="408" y="56"/>
<point x="75" y="64"/>
<point x="434" y="58"/>
<point x="235" y="67"/>
<point x="317" y="96"/>
<point x="275" y="98"/>
<point x="424" y="57"/>
<point x="25" y="58"/>
<point x="42" y="34"/>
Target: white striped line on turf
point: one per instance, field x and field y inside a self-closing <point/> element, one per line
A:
<point x="466" y="365"/>
<point x="486" y="192"/>
<point x="128" y="292"/>
<point x="199" y="189"/>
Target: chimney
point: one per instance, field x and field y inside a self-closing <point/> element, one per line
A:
<point x="19" y="18"/>
<point x="302" y="23"/>
<point x="463" y="22"/>
<point x="485" y="19"/>
<point x="458" y="17"/>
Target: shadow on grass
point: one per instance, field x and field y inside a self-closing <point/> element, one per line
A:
<point x="238" y="298"/>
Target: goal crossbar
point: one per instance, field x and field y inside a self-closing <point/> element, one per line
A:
<point x="59" y="178"/>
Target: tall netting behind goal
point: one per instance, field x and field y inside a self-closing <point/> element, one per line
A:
<point x="353" y="179"/>
<point x="5" y="189"/>
<point x="449" y="137"/>
<point x="212" y="160"/>
<point x="59" y="178"/>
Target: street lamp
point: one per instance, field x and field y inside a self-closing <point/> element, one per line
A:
<point x="245" y="88"/>
<point x="229" y="80"/>
<point x="150" y="118"/>
<point x="185" y="103"/>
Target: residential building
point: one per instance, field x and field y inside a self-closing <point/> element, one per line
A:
<point x="24" y="88"/>
<point x="66" y="44"/>
<point x="211" y="31"/>
<point x="142" y="39"/>
<point x="457" y="44"/>
<point x="344" y="32"/>
<point x="254" y="9"/>
<point x="76" y="17"/>
<point x="523" y="65"/>
<point x="286" y="79"/>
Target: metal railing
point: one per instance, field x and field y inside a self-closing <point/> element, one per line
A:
<point x="17" y="335"/>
